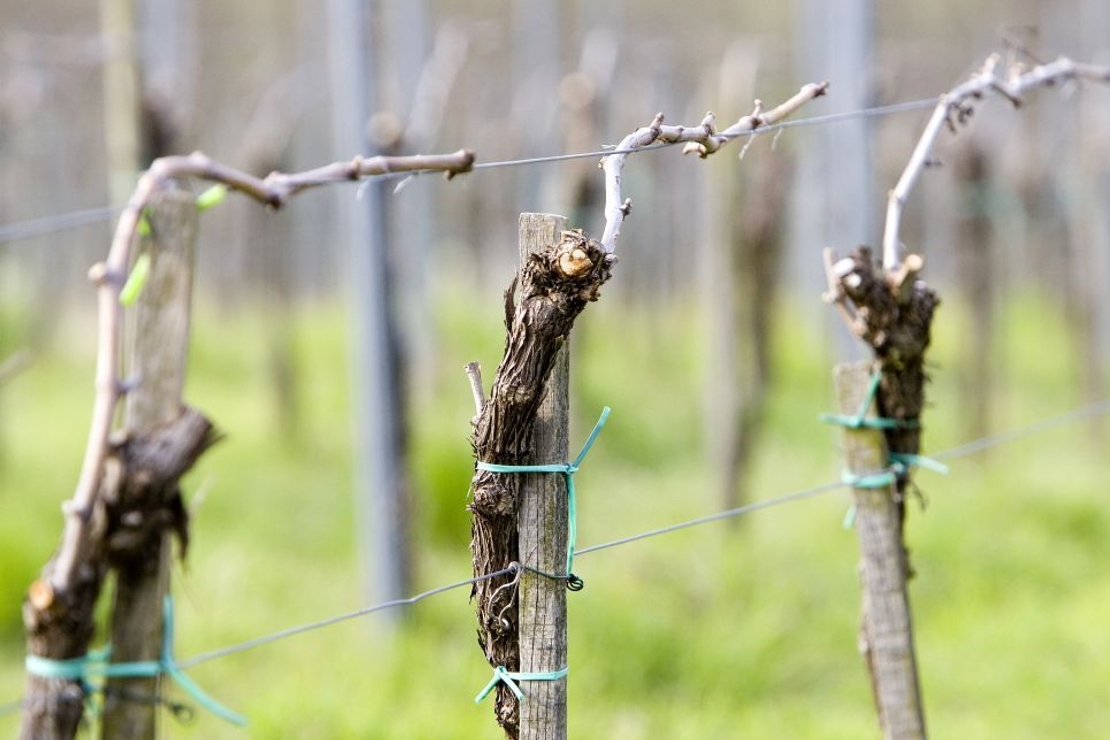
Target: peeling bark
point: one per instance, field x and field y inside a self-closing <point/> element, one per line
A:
<point x="59" y="624"/>
<point x="551" y="289"/>
<point x="894" y="317"/>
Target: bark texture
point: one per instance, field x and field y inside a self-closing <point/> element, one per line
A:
<point x="886" y="625"/>
<point x="159" y="352"/>
<point x="59" y="624"/>
<point x="546" y="296"/>
<point x="895" y="320"/>
<point x="542" y="528"/>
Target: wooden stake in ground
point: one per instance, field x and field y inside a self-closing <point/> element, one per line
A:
<point x="58" y="611"/>
<point x="891" y="310"/>
<point x="158" y="353"/>
<point x="542" y="527"/>
<point x="554" y="284"/>
<point x="136" y="503"/>
<point x="886" y="628"/>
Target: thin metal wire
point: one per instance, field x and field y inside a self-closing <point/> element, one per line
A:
<point x="883" y="110"/>
<point x="66" y="221"/>
<point x="54" y="224"/>
<point x="964" y="450"/>
<point x="952" y="453"/>
<point x="738" y="511"/>
<point x="282" y="634"/>
<point x="969" y="448"/>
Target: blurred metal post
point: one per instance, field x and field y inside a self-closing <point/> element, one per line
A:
<point x="1095" y="216"/>
<point x="121" y="97"/>
<point x="536" y="58"/>
<point x="405" y="55"/>
<point x="836" y="200"/>
<point x="382" y="525"/>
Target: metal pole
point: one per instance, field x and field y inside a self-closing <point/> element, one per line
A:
<point x="380" y="514"/>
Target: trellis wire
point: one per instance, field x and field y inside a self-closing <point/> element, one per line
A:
<point x="964" y="450"/>
<point x="62" y="222"/>
<point x="54" y="224"/>
<point x="291" y="631"/>
<point x="65" y="221"/>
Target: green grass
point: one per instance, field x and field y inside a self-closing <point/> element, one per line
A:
<point x="742" y="629"/>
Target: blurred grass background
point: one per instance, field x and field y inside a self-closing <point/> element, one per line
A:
<point x="737" y="629"/>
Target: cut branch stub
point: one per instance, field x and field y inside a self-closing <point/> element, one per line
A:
<point x="702" y="139"/>
<point x="147" y="501"/>
<point x="59" y="624"/>
<point x="551" y="289"/>
<point x="892" y="313"/>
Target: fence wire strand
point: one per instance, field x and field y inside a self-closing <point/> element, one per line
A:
<point x="952" y="453"/>
<point x="883" y="110"/>
<point x="730" y="513"/>
<point x="54" y="224"/>
<point x="291" y="631"/>
<point x="1089" y="411"/>
<point x="967" y="449"/>
<point x="65" y="221"/>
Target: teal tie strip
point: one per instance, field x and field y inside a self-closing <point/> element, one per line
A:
<point x="873" y="480"/>
<point x="510" y="679"/>
<point x="899" y="462"/>
<point x="96" y="665"/>
<point x="861" y="420"/>
<point x="568" y="470"/>
<point x="907" y="460"/>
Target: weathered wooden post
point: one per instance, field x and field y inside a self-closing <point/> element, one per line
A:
<point x="542" y="530"/>
<point x="886" y="627"/>
<point x="158" y="349"/>
<point x="561" y="272"/>
<point x="890" y="309"/>
<point x="523" y="518"/>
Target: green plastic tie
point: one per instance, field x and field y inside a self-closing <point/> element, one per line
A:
<point x="211" y="197"/>
<point x="899" y="462"/>
<point x="908" y="459"/>
<point x="510" y="679"/>
<point x="861" y="420"/>
<point x="143" y="226"/>
<point x="133" y="287"/>
<point x="568" y="470"/>
<point x="872" y="480"/>
<point x="850" y="517"/>
<point x="96" y="665"/>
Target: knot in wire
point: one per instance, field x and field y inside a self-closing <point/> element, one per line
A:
<point x="96" y="664"/>
<point x="568" y="469"/>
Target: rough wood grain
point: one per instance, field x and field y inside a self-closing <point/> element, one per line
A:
<point x="886" y="628"/>
<point x="547" y="294"/>
<point x="893" y="314"/>
<point x="159" y="351"/>
<point x="543" y="531"/>
<point x="59" y="624"/>
<point x="136" y="502"/>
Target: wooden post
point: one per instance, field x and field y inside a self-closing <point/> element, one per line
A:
<point x="542" y="527"/>
<point x="158" y="353"/>
<point x="886" y="628"/>
<point x="550" y="290"/>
